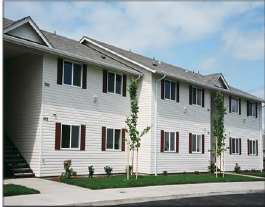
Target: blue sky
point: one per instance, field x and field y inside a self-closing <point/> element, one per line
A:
<point x="210" y="37"/>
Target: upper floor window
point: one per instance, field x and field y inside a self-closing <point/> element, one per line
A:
<point x="170" y="142"/>
<point x="113" y="139"/>
<point x="196" y="143"/>
<point x="72" y="74"/>
<point x="235" y="146"/>
<point x="114" y="82"/>
<point x="70" y="137"/>
<point x="197" y="96"/>
<point x="235" y="105"/>
<point x="252" y="109"/>
<point x="252" y="147"/>
<point x="170" y="90"/>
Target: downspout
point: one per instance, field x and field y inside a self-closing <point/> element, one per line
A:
<point x="156" y="125"/>
<point x="139" y="76"/>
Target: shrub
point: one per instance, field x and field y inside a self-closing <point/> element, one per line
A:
<point x="165" y="173"/>
<point x="91" y="170"/>
<point x="196" y="172"/>
<point x="237" y="168"/>
<point x="69" y="172"/>
<point x="108" y="170"/>
<point x="130" y="169"/>
<point x="184" y="173"/>
<point x="211" y="168"/>
<point x="253" y="170"/>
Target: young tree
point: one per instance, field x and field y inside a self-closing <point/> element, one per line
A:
<point x="131" y="121"/>
<point x="218" y="128"/>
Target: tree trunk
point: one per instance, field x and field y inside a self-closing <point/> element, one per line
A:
<point x="221" y="163"/>
<point x="216" y="157"/>
<point x="128" y="160"/>
<point x="132" y="159"/>
<point x="136" y="163"/>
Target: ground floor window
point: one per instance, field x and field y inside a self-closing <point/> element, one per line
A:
<point x="70" y="138"/>
<point x="170" y="141"/>
<point x="196" y="143"/>
<point x="235" y="146"/>
<point x="252" y="147"/>
<point x="113" y="139"/>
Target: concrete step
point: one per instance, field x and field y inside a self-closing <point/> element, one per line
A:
<point x="23" y="175"/>
<point x="18" y="165"/>
<point x="22" y="170"/>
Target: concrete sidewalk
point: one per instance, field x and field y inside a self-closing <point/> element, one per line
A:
<point x="54" y="193"/>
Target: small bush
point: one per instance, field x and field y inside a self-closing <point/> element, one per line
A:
<point x="237" y="168"/>
<point x="165" y="173"/>
<point x="253" y="170"/>
<point x="196" y="172"/>
<point x="69" y="172"/>
<point x="245" y="171"/>
<point x="184" y="173"/>
<point x="108" y="170"/>
<point x="211" y="168"/>
<point x="130" y="169"/>
<point x="91" y="170"/>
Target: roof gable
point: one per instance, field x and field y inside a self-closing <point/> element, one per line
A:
<point x="221" y="82"/>
<point x="27" y="29"/>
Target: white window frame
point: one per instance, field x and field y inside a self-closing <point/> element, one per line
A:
<point x="235" y="112"/>
<point x="253" y="143"/>
<point x="253" y="106"/>
<point x="170" y="81"/>
<point x="200" y="104"/>
<point x="234" y="146"/>
<point x="169" y="142"/>
<point x="72" y="80"/>
<point x="79" y="138"/>
<point x="197" y="136"/>
<point x="113" y="149"/>
<point x="114" y="82"/>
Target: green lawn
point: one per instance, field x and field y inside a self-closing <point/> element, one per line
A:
<point x="121" y="182"/>
<point x="12" y="190"/>
<point x="259" y="174"/>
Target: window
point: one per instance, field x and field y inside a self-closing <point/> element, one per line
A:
<point x="114" y="83"/>
<point x="197" y="96"/>
<point x="196" y="143"/>
<point x="235" y="146"/>
<point x="234" y="104"/>
<point x="252" y="147"/>
<point x="70" y="137"/>
<point x="72" y="74"/>
<point x="252" y="109"/>
<point x="170" y="90"/>
<point x="113" y="139"/>
<point x="170" y="142"/>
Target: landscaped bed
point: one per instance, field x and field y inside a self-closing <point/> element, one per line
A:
<point x="259" y="174"/>
<point x="12" y="190"/>
<point x="121" y="182"/>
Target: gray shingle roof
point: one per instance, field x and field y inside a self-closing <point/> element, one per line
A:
<point x="168" y="68"/>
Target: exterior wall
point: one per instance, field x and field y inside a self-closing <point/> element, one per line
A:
<point x="74" y="105"/>
<point x="22" y="106"/>
<point x="26" y="32"/>
<point x="171" y="117"/>
<point x="235" y="127"/>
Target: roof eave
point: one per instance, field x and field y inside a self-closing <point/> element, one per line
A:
<point x="33" y="45"/>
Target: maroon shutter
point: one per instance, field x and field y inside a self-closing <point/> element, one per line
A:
<point x="257" y="147"/>
<point x="190" y="143"/>
<point x="124" y="86"/>
<point x="248" y="146"/>
<point x="84" y="76"/>
<point x="59" y="71"/>
<point x="247" y="108"/>
<point x="177" y="92"/>
<point x="239" y="106"/>
<point x="83" y="137"/>
<point x="103" y="144"/>
<point x="230" y="145"/>
<point x="203" y="144"/>
<point x="190" y="95"/>
<point x="229" y="104"/>
<point x="202" y="97"/>
<point x="256" y="110"/>
<point x="240" y="146"/>
<point x="57" y="136"/>
<point x="105" y="73"/>
<point x="123" y="140"/>
<point x="162" y="89"/>
<point x="162" y="141"/>
<point x="177" y="142"/>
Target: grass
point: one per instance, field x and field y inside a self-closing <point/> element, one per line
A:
<point x="121" y="182"/>
<point x="12" y="190"/>
<point x="259" y="174"/>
